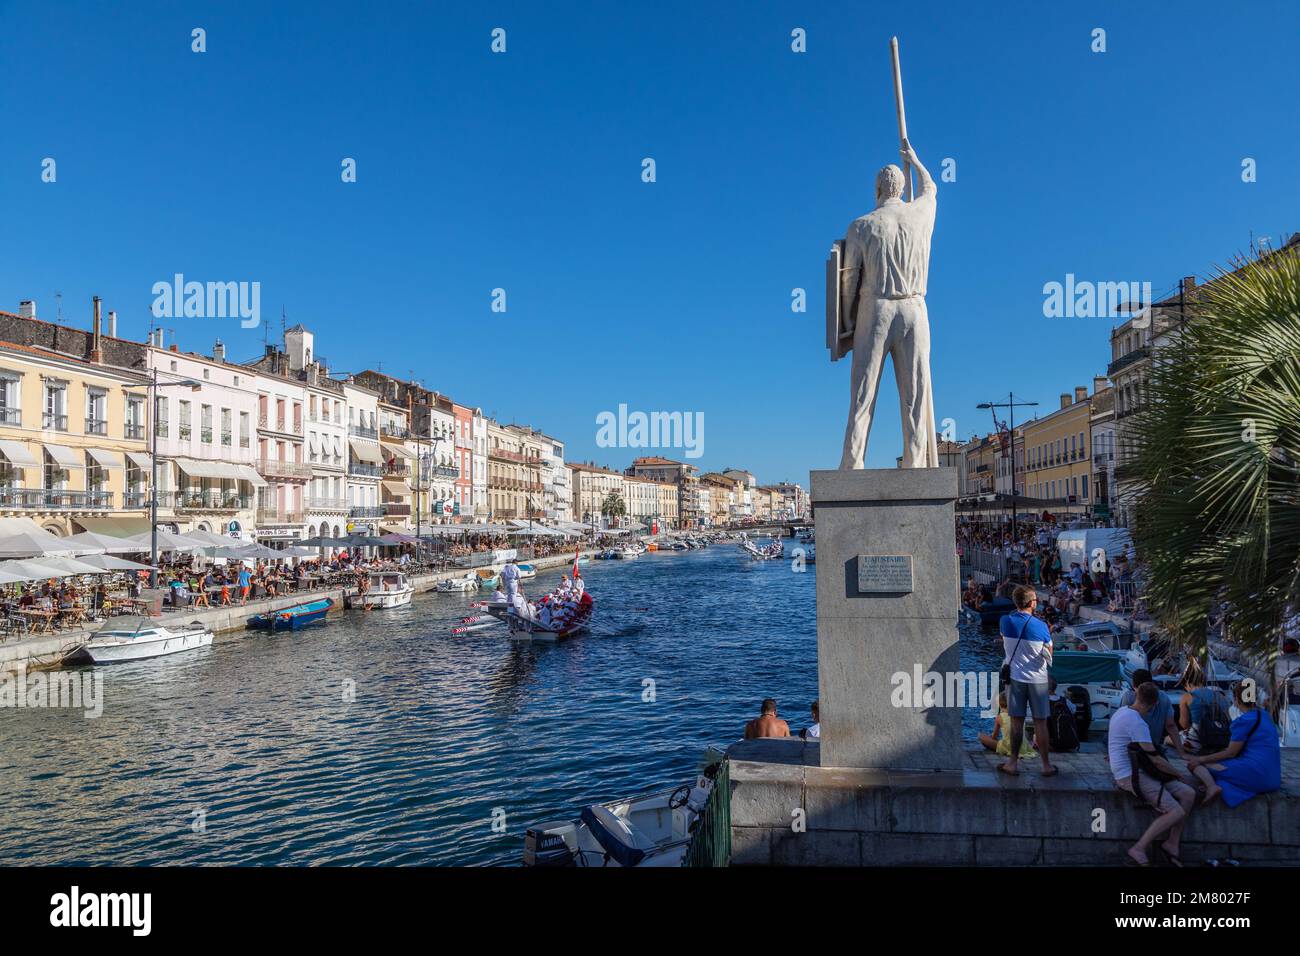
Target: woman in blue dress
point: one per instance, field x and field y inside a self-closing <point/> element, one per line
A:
<point x="1251" y="764"/>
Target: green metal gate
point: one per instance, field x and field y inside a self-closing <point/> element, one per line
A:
<point x="711" y="842"/>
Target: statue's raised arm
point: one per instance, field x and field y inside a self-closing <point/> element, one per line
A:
<point x="922" y="174"/>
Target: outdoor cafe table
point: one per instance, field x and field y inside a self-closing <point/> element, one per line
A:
<point x="42" y="621"/>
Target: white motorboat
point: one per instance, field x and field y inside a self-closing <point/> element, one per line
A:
<point x="469" y="582"/>
<point x="387" y="589"/>
<point x="137" y="638"/>
<point x="650" y="830"/>
<point x="526" y="571"/>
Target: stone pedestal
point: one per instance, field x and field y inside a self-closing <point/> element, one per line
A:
<point x="887" y="591"/>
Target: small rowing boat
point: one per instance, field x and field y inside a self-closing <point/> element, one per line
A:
<point x="291" y="618"/>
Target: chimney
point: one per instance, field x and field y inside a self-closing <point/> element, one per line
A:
<point x="1065" y="399"/>
<point x="112" y="324"/>
<point x="175" y="347"/>
<point x="1189" y="285"/>
<point x="218" y="351"/>
<point x="27" y="308"/>
<point x="1081" y="393"/>
<point x="96" y="352"/>
<point x="1100" y="383"/>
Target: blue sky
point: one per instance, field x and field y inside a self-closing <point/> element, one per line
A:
<point x="523" y="171"/>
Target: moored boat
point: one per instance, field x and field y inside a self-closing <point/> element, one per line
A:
<point x="133" y="639"/>
<point x="387" y="589"/>
<point x="291" y="618"/>
<point x="653" y="829"/>
<point x="468" y="582"/>
<point x="526" y="571"/>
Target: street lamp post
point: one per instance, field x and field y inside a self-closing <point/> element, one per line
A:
<point x="154" y="385"/>
<point x="1011" y="405"/>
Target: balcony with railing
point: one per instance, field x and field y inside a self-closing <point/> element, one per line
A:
<point x="361" y="431"/>
<point x="134" y="431"/>
<point x="278" y="468"/>
<point x="396" y="509"/>
<point x="47" y="499"/>
<point x="1127" y="359"/>
<point x="96" y="426"/>
<point x="136" y="498"/>
<point x="54" y="422"/>
<point x="363" y="469"/>
<point x="396" y="470"/>
<point x="11" y="416"/>
<point x="280" y="425"/>
<point x="276" y="516"/>
<point x="395" y="431"/>
<point x="210" y="500"/>
<point x="326" y="504"/>
<point x="443" y="471"/>
<point x="366" y="511"/>
<point x="205" y="436"/>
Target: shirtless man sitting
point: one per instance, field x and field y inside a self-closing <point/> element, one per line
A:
<point x="767" y="723"/>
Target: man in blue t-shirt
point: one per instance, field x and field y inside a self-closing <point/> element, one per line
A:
<point x="1027" y="645"/>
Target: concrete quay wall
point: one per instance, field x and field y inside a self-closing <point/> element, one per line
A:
<point x="786" y="810"/>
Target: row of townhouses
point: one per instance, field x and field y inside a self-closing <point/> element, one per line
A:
<point x="279" y="449"/>
<point x="1074" y="460"/>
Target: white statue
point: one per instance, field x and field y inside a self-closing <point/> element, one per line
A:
<point x="876" y="305"/>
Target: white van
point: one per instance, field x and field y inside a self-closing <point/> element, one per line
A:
<point x="1083" y="545"/>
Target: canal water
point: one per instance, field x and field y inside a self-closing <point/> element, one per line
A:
<point x="386" y="739"/>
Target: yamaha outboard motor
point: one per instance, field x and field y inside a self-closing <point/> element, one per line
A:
<point x="545" y="845"/>
<point x="1082" y="701"/>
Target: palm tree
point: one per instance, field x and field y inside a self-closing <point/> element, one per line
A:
<point x="613" y="506"/>
<point x="1218" y="459"/>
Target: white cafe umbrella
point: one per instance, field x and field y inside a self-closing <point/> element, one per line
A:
<point x="212" y="538"/>
<point x="9" y="577"/>
<point x="168" y="541"/>
<point x="91" y="542"/>
<point x="298" y="553"/>
<point x="41" y="570"/>
<point x="28" y="544"/>
<point x="110" y="563"/>
<point x="71" y="566"/>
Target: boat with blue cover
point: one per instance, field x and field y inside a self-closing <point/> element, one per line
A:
<point x="292" y="618"/>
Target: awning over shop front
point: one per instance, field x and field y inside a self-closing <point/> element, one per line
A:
<point x="394" y="529"/>
<point x="106" y="458"/>
<point x="394" y="487"/>
<point x="400" y="450"/>
<point x="19" y="454"/>
<point x="65" y="456"/>
<point x="197" y="468"/>
<point x="366" y="452"/>
<point x="140" y="459"/>
<point x="125" y="526"/>
<point x="249" y="473"/>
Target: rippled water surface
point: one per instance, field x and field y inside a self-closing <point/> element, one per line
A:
<point x="445" y="730"/>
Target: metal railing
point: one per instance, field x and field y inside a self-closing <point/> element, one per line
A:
<point x="46" y="499"/>
<point x="135" y="499"/>
<point x="395" y="509"/>
<point x="1127" y="359"/>
<point x="366" y="511"/>
<point x="210" y="501"/>
<point x="361" y="468"/>
<point x="134" y="431"/>
<point x="277" y="468"/>
<point x="96" y="426"/>
<point x="58" y="423"/>
<point x="361" y="431"/>
<point x="272" y="516"/>
<point x="326" y="504"/>
<point x="711" y="837"/>
<point x="11" y="416"/>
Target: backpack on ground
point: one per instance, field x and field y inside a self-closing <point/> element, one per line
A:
<point x="1062" y="730"/>
<point x="1082" y="701"/>
<point x="1214" y="729"/>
